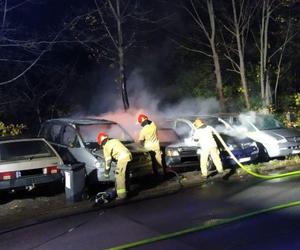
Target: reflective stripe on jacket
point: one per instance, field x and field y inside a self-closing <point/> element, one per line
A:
<point x="204" y="137"/>
<point x="148" y="134"/>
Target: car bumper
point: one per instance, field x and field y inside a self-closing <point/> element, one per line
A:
<point x="29" y="181"/>
<point x="182" y="163"/>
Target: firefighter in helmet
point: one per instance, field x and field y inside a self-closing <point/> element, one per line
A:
<point x="203" y="135"/>
<point x="148" y="138"/>
<point x="113" y="149"/>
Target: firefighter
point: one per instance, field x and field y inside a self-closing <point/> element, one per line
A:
<point x="113" y="149"/>
<point x="148" y="138"/>
<point x="203" y="135"/>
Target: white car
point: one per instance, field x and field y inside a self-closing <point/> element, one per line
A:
<point x="277" y="139"/>
<point x="25" y="163"/>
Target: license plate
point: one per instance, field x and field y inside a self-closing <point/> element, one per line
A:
<point x="244" y="159"/>
<point x="296" y="151"/>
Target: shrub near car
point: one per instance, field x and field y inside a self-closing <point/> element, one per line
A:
<point x="76" y="141"/>
<point x="25" y="163"/>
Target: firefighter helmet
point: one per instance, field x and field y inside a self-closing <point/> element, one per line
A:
<point x="142" y="117"/>
<point x="101" y="137"/>
<point x="198" y="122"/>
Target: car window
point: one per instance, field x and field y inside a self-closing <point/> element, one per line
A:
<point x="14" y="151"/>
<point x="167" y="135"/>
<point x="183" y="129"/>
<point x="44" y="130"/>
<point x="54" y="133"/>
<point x="90" y="132"/>
<point x="69" y="137"/>
<point x="267" y="122"/>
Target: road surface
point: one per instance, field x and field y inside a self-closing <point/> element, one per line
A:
<point x="217" y="199"/>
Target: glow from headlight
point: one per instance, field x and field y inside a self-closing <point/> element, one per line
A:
<point x="97" y="164"/>
<point x="172" y="152"/>
<point x="283" y="140"/>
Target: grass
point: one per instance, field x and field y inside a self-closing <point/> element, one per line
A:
<point x="288" y="161"/>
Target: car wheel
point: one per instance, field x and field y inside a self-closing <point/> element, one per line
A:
<point x="263" y="155"/>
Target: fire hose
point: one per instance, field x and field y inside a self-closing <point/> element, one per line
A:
<point x="249" y="171"/>
<point x="219" y="222"/>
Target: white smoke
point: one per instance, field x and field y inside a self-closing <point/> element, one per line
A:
<point x="142" y="100"/>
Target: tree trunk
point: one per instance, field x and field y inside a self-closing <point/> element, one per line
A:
<point x="242" y="70"/>
<point x="216" y="60"/>
<point x="122" y="77"/>
<point x="219" y="83"/>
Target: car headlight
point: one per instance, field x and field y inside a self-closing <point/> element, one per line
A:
<point x="231" y="146"/>
<point x="172" y="152"/>
<point x="283" y="140"/>
<point x="249" y="144"/>
<point x="97" y="164"/>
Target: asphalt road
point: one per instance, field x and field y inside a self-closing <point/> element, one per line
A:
<point x="217" y="199"/>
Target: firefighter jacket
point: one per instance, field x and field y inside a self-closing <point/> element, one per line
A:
<point x="114" y="149"/>
<point x="148" y="135"/>
<point x="204" y="137"/>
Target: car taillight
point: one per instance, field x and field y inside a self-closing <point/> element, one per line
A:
<point x="51" y="170"/>
<point x="7" y="176"/>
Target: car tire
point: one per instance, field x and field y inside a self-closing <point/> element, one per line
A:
<point x="263" y="155"/>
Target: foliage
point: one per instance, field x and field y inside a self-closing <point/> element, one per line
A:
<point x="11" y="129"/>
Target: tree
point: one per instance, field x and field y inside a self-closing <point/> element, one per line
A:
<point x="238" y="27"/>
<point x="268" y="52"/>
<point x="111" y="29"/>
<point x="194" y="10"/>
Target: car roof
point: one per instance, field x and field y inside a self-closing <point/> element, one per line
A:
<point x="82" y="121"/>
<point x="7" y="140"/>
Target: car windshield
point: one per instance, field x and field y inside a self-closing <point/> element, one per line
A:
<point x="167" y="135"/>
<point x="90" y="132"/>
<point x="266" y="123"/>
<point x="20" y="150"/>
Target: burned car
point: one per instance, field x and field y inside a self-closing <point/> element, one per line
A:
<point x="185" y="153"/>
<point x="26" y="163"/>
<point x="76" y="141"/>
<point x="277" y="140"/>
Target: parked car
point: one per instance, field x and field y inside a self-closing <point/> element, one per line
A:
<point x="25" y="163"/>
<point x="277" y="139"/>
<point x="185" y="154"/>
<point x="76" y="141"/>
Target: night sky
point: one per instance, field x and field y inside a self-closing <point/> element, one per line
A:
<point x="73" y="77"/>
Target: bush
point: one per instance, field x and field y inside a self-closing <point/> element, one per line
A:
<point x="11" y="129"/>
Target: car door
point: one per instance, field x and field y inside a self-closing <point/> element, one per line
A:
<point x="185" y="130"/>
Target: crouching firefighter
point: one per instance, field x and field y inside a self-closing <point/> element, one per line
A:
<point x="113" y="149"/>
<point x="148" y="138"/>
<point x="203" y="135"/>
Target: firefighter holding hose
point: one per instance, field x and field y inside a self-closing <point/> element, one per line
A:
<point x="203" y="135"/>
<point x="148" y="138"/>
<point x="113" y="149"/>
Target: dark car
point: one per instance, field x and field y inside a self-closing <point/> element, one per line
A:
<point x="76" y="141"/>
<point x="26" y="163"/>
<point x="185" y="153"/>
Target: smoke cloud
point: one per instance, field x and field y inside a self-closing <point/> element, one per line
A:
<point x="142" y="100"/>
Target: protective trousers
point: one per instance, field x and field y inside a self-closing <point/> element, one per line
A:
<point x="156" y="160"/>
<point x="121" y="176"/>
<point x="214" y="153"/>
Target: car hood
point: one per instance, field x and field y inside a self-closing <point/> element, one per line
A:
<point x="182" y="145"/>
<point x="283" y="133"/>
<point x="135" y="147"/>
